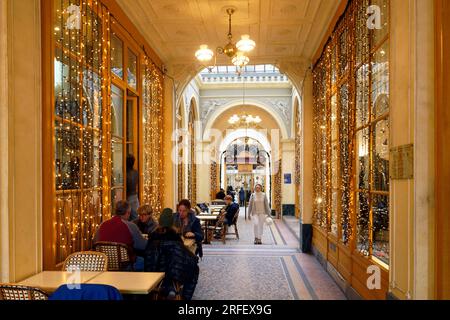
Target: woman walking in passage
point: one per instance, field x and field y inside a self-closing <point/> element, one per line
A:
<point x="259" y="210"/>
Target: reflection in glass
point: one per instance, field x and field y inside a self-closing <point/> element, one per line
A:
<point x="362" y="96"/>
<point x="91" y="159"/>
<point x="380" y="155"/>
<point x="380" y="207"/>
<point x="92" y="102"/>
<point x="130" y="120"/>
<point x="333" y="65"/>
<point x="132" y="69"/>
<point x="67" y="156"/>
<point x="343" y="56"/>
<point x="66" y="88"/>
<point x="116" y="56"/>
<point x="116" y="195"/>
<point x="362" y="162"/>
<point x="362" y="223"/>
<point x="117" y="163"/>
<point x="116" y="111"/>
<point x="380" y="82"/>
<point x="378" y="35"/>
<point x="334" y="120"/>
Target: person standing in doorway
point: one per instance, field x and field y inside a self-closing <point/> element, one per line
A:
<point x="132" y="187"/>
<point x="259" y="210"/>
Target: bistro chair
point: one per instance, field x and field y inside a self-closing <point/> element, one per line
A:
<point x="118" y="254"/>
<point x="17" y="292"/>
<point x="86" y="261"/>
<point x="219" y="227"/>
<point x="234" y="224"/>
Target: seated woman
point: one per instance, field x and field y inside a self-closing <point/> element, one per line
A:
<point x="166" y="252"/>
<point x="188" y="225"/>
<point x="145" y="221"/>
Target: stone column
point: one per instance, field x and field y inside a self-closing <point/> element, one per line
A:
<point x="306" y="184"/>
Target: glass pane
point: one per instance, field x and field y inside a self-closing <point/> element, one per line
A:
<point x="67" y="84"/>
<point x="362" y="161"/>
<point x="130" y="120"/>
<point x="116" y="195"/>
<point x="380" y="207"/>
<point x="117" y="163"/>
<point x="334" y="208"/>
<point x="116" y="56"/>
<point x="378" y="34"/>
<point x="343" y="54"/>
<point x="67" y="156"/>
<point x="362" y="32"/>
<point x="380" y="81"/>
<point x="362" y="223"/>
<point x="345" y="162"/>
<point x="380" y="156"/>
<point x="132" y="69"/>
<point x="130" y="150"/>
<point x="362" y="96"/>
<point x="334" y="125"/>
<point x="116" y="111"/>
<point x="92" y="102"/>
<point x="333" y="65"/>
<point x="334" y="165"/>
<point x="67" y="27"/>
<point x="92" y="159"/>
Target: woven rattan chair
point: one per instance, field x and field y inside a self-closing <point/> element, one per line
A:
<point x="234" y="224"/>
<point x="86" y="261"/>
<point x="119" y="255"/>
<point x="219" y="227"/>
<point x="16" y="292"/>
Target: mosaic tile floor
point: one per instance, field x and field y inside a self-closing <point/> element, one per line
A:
<point x="276" y="270"/>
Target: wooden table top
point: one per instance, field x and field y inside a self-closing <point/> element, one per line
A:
<point x="130" y="282"/>
<point x="49" y="281"/>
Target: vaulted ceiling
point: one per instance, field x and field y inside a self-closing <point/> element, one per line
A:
<point x="282" y="29"/>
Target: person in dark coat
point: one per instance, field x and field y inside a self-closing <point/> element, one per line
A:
<point x="220" y="195"/>
<point x="188" y="225"/>
<point x="166" y="253"/>
<point x="241" y="196"/>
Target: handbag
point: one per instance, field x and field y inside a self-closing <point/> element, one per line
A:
<point x="269" y="221"/>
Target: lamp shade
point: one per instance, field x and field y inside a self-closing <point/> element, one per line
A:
<point x="240" y="59"/>
<point x="204" y="53"/>
<point x="245" y="44"/>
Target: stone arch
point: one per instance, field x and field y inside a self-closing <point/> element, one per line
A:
<point x="253" y="102"/>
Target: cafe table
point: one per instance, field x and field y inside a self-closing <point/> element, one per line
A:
<point x="136" y="283"/>
<point x="207" y="219"/>
<point x="49" y="281"/>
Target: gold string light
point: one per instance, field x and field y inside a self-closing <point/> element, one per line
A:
<point x="346" y="81"/>
<point x="82" y="126"/>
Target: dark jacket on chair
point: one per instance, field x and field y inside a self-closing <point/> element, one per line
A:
<point x="166" y="252"/>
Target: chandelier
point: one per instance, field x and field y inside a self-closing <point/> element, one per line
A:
<point x="246" y="119"/>
<point x="236" y="52"/>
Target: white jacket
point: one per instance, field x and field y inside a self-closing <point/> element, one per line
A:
<point x="252" y="207"/>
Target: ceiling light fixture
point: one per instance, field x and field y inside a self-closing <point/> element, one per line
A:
<point x="236" y="52"/>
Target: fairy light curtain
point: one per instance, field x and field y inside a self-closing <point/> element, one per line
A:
<point x="351" y="132"/>
<point x="82" y="135"/>
<point x="153" y="136"/>
<point x="78" y="123"/>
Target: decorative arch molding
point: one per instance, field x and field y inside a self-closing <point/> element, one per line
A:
<point x="217" y="109"/>
<point x="243" y="133"/>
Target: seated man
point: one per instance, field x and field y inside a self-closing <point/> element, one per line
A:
<point x="119" y="229"/>
<point x="145" y="221"/>
<point x="230" y="211"/>
<point x="166" y="252"/>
